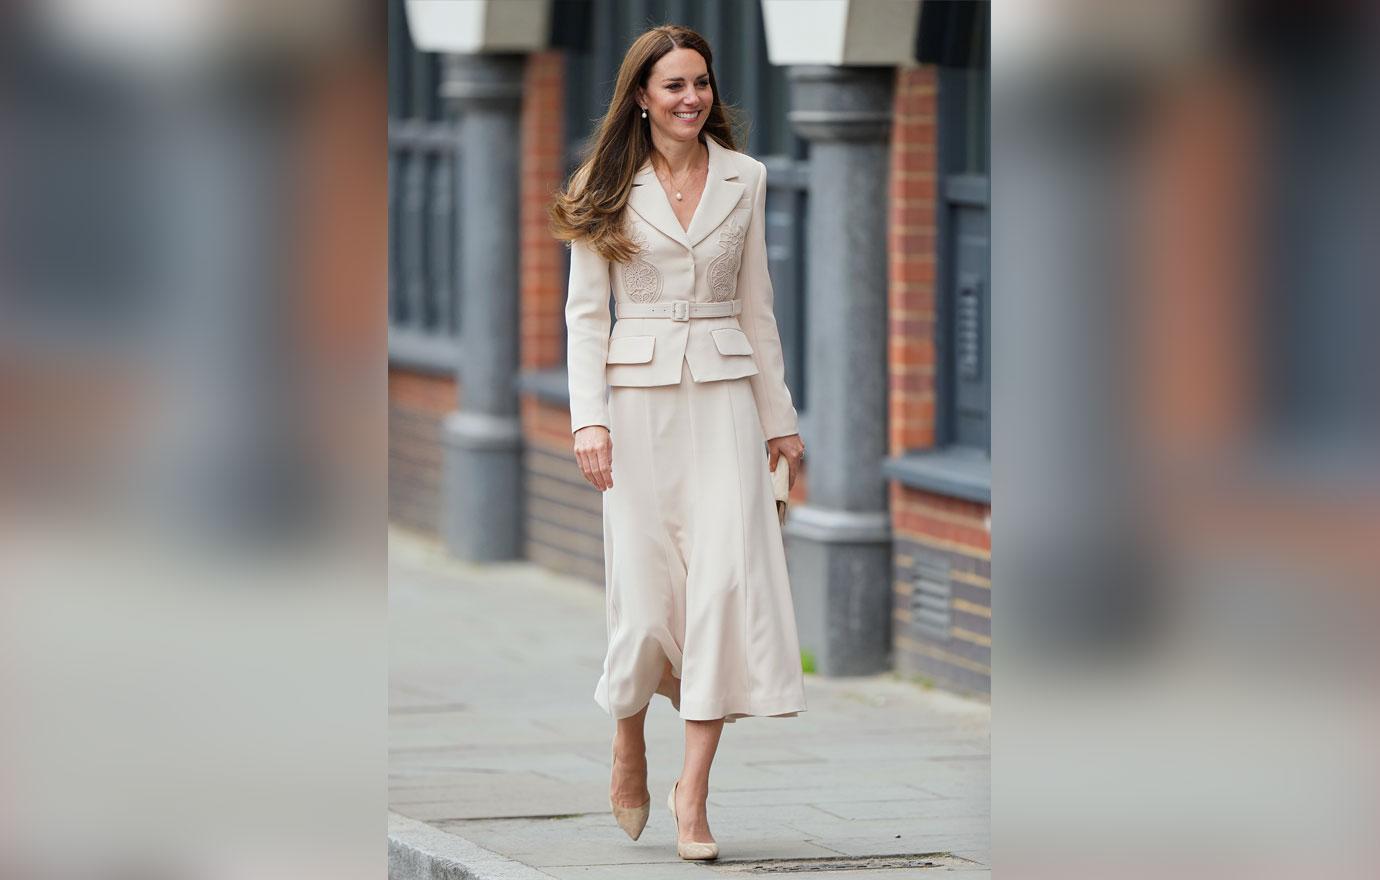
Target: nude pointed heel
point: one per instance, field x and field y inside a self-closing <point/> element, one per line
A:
<point x="631" y="819"/>
<point x="694" y="850"/>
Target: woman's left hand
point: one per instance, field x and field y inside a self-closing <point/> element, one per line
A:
<point x="789" y="446"/>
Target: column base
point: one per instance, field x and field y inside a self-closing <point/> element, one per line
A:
<point x="840" y="570"/>
<point x="481" y="487"/>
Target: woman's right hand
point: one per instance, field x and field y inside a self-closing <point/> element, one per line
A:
<point x="594" y="452"/>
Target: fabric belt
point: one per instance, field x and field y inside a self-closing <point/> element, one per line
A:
<point x="679" y="310"/>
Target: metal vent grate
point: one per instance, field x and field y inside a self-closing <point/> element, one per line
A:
<point x="843" y="863"/>
<point x="930" y="611"/>
<point x="968" y="321"/>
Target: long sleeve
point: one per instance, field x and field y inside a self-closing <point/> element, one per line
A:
<point x="587" y="323"/>
<point x="773" y="398"/>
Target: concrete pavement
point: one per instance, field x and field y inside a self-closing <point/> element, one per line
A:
<point x="499" y="758"/>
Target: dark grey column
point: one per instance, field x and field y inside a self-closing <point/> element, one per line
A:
<point x="481" y="516"/>
<point x="839" y="545"/>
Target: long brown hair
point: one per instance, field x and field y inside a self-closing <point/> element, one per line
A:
<point x="591" y="206"/>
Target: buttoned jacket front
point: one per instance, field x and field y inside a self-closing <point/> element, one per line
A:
<point x="720" y="258"/>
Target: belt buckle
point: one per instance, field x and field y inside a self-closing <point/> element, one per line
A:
<point x="680" y="310"/>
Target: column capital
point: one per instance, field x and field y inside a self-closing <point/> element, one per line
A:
<point x="479" y="25"/>
<point x="492" y="81"/>
<point x="841" y="103"/>
<point x="840" y="31"/>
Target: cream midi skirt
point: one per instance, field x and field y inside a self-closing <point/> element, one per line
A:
<point x="695" y="569"/>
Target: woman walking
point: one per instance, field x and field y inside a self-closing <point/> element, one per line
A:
<point x="667" y="214"/>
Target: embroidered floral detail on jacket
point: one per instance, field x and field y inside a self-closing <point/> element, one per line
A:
<point x="723" y="272"/>
<point x="641" y="278"/>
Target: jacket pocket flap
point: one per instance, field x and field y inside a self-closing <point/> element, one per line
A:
<point x="631" y="349"/>
<point x="731" y="340"/>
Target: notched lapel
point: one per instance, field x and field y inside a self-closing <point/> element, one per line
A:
<point x="648" y="199"/>
<point x="722" y="192"/>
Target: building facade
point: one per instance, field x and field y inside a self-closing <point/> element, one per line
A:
<point x="872" y="119"/>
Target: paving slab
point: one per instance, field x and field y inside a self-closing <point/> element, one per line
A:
<point x="500" y="758"/>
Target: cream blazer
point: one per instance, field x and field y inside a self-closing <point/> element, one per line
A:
<point x="723" y="256"/>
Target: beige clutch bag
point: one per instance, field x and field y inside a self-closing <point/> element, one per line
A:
<point x="781" y="487"/>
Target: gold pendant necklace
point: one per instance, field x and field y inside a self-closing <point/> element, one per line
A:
<point x="677" y="189"/>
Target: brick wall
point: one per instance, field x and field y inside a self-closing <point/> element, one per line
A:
<point x="911" y="234"/>
<point x="942" y="563"/>
<point x="542" y="270"/>
<point x="942" y="550"/>
<point x="417" y="403"/>
<point x="564" y="513"/>
<point x="564" y="525"/>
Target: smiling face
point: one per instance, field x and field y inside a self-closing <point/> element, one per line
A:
<point x="677" y="97"/>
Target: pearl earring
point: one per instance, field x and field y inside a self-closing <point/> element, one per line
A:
<point x="644" y="112"/>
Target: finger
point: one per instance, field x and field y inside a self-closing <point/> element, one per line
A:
<point x="606" y="467"/>
<point x="772" y="458"/>
<point x="582" y="457"/>
<point x="590" y="464"/>
<point x="794" y="465"/>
